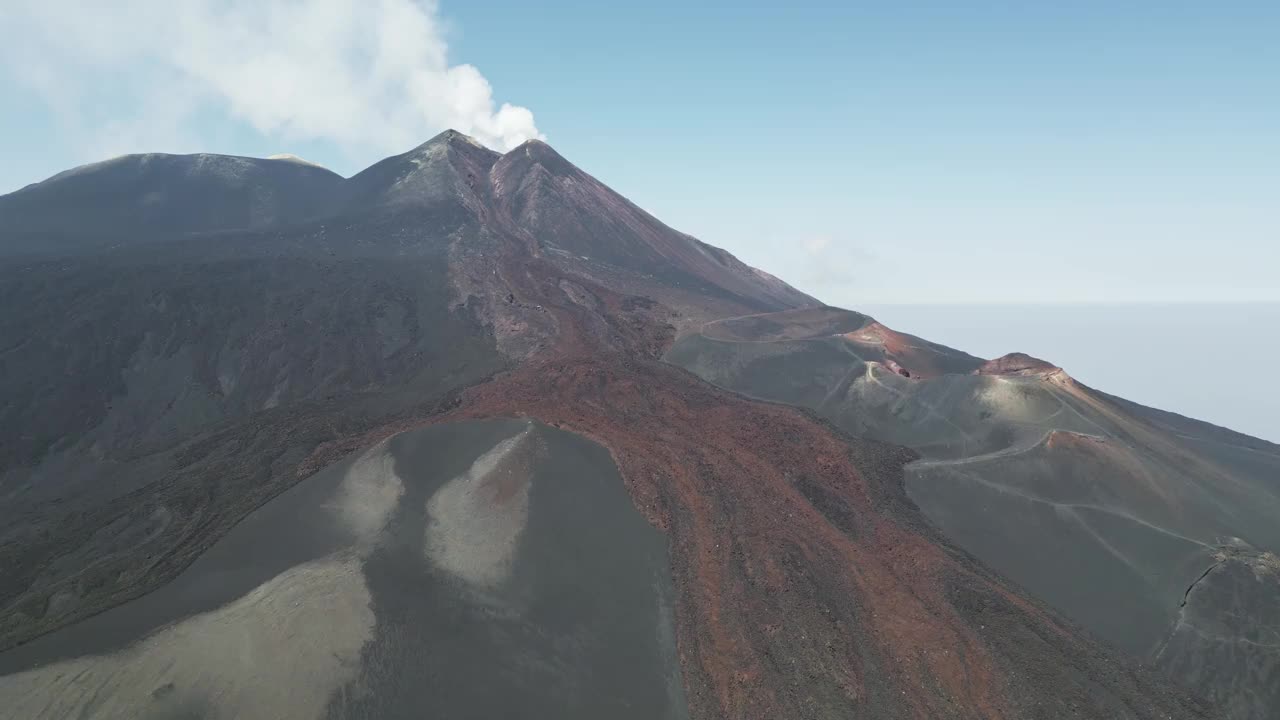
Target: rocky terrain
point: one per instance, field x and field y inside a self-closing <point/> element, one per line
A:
<point x="1132" y="522"/>
<point x="392" y="431"/>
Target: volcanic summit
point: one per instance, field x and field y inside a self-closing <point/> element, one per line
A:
<point x="471" y="434"/>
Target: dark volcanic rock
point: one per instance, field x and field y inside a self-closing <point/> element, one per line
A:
<point x="445" y="169"/>
<point x="568" y="213"/>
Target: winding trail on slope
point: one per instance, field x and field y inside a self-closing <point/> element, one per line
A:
<point x="959" y="465"/>
<point x="844" y="381"/>
<point x="952" y="465"/>
<point x="1233" y="446"/>
<point x="1013" y="450"/>
<point x="930" y="410"/>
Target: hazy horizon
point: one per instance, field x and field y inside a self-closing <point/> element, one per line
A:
<point x="1148" y="353"/>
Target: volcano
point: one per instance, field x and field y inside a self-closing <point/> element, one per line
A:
<point x="472" y="435"/>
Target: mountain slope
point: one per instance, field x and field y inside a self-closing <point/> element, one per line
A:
<point x="143" y="197"/>
<point x="1107" y="510"/>
<point x="343" y="551"/>
<point x="262" y="369"/>
<point x="581" y="224"/>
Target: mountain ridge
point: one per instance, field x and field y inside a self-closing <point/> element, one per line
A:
<point x="217" y="375"/>
<point x="447" y="175"/>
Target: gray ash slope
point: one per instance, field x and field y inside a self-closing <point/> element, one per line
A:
<point x="1156" y="532"/>
<point x="424" y="573"/>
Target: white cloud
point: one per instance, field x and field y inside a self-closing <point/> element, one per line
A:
<point x="370" y="76"/>
<point x="816" y="244"/>
<point x="829" y="264"/>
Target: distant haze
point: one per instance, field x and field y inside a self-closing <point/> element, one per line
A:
<point x="1212" y="362"/>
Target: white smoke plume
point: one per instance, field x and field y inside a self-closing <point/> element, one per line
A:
<point x="367" y="75"/>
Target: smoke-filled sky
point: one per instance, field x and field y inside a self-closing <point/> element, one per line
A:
<point x="930" y="152"/>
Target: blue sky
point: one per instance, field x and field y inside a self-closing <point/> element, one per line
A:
<point x="868" y="153"/>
